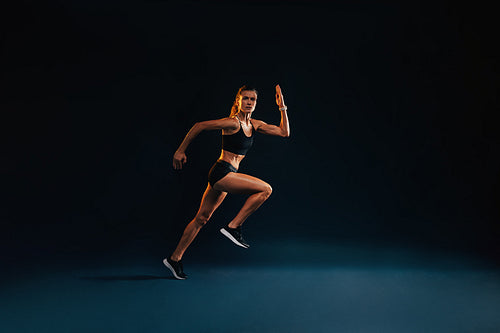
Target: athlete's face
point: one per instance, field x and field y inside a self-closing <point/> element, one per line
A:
<point x="247" y="101"/>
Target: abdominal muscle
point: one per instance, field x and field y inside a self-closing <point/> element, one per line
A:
<point x="231" y="158"/>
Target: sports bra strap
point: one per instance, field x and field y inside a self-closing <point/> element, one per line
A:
<point x="251" y="124"/>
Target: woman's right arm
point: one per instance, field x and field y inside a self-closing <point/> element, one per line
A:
<point x="180" y="154"/>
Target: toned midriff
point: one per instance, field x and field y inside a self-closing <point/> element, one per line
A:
<point x="231" y="158"/>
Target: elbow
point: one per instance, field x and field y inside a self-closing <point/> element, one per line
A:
<point x="198" y="127"/>
<point x="286" y="135"/>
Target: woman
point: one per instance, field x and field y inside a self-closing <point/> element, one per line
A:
<point x="237" y="137"/>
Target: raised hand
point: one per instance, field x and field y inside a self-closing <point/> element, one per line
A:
<point x="279" y="97"/>
<point x="179" y="160"/>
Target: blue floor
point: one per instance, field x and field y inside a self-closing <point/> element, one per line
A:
<point x="377" y="291"/>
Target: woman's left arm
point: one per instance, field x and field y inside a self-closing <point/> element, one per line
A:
<point x="284" y="128"/>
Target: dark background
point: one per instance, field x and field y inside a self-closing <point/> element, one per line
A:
<point x="391" y="105"/>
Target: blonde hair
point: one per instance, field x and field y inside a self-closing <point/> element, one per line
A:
<point x="234" y="108"/>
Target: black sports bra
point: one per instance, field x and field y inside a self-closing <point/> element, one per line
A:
<point x="237" y="143"/>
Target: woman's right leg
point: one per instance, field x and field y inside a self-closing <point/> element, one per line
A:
<point x="211" y="200"/>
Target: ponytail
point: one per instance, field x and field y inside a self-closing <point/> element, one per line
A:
<point x="234" y="108"/>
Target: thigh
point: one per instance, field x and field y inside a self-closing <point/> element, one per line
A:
<point x="241" y="183"/>
<point x="212" y="198"/>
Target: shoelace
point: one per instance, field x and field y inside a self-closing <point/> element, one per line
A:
<point x="238" y="232"/>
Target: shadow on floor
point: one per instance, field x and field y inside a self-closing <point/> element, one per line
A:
<point x="127" y="278"/>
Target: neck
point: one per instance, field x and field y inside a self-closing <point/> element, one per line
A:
<point x="244" y="116"/>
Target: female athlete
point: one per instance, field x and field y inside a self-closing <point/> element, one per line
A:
<point x="237" y="138"/>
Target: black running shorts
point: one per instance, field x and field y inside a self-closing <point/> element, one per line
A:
<point x="219" y="170"/>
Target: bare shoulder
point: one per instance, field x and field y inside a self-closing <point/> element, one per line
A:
<point x="216" y="124"/>
<point x="231" y="123"/>
<point x="256" y="123"/>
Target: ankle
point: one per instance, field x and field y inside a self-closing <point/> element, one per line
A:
<point x="176" y="259"/>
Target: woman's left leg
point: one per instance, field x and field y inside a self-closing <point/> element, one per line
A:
<point x="241" y="183"/>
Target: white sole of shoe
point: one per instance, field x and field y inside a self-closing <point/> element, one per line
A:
<point x="228" y="235"/>
<point x="165" y="262"/>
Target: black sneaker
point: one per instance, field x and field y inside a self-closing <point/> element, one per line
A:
<point x="176" y="268"/>
<point x="235" y="236"/>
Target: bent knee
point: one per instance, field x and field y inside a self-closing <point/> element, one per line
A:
<point x="201" y="219"/>
<point x="267" y="190"/>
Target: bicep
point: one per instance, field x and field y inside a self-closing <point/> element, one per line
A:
<point x="265" y="128"/>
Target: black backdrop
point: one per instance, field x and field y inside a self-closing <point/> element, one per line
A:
<point x="391" y="109"/>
